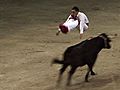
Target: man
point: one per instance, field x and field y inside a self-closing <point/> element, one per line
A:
<point x="75" y="19"/>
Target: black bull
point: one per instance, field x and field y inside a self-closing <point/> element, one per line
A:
<point x="84" y="53"/>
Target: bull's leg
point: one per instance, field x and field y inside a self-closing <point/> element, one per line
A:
<point x="90" y="66"/>
<point x="86" y="76"/>
<point x="93" y="73"/>
<point x="70" y="75"/>
<point x="61" y="72"/>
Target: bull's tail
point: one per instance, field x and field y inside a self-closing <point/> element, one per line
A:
<point x="57" y="61"/>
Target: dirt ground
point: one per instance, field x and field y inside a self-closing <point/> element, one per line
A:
<point x="28" y="44"/>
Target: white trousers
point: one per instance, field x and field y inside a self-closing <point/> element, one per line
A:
<point x="71" y="24"/>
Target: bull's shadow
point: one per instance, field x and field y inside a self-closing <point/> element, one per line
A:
<point x="97" y="82"/>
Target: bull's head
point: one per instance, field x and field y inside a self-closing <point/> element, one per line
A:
<point x="106" y="39"/>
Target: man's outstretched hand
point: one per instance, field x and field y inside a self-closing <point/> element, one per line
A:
<point x="81" y="36"/>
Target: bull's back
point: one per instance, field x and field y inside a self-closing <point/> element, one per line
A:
<point x="79" y="54"/>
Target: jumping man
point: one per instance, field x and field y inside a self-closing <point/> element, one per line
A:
<point x="75" y="19"/>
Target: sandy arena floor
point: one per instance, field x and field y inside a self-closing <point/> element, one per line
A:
<point x="28" y="44"/>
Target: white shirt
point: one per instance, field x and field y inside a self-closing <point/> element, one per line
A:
<point x="83" y="20"/>
<point x="82" y="17"/>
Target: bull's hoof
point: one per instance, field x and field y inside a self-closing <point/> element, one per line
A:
<point x="68" y="84"/>
<point x="86" y="80"/>
<point x="92" y="73"/>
